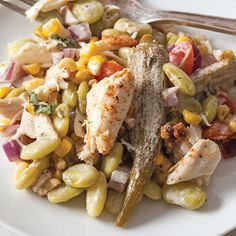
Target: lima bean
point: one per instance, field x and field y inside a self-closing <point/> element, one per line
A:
<point x="124" y="53"/>
<point x="89" y="11"/>
<point x="30" y="175"/>
<point x="61" y="125"/>
<point x="180" y="79"/>
<point x="210" y="105"/>
<point x="152" y="190"/>
<point x="111" y="161"/>
<point x="39" y="148"/>
<point x="63" y="194"/>
<point x="82" y="93"/>
<point x="127" y="25"/>
<point x="188" y="103"/>
<point x="80" y="176"/>
<point x="69" y="96"/>
<point x="96" y="196"/>
<point x="114" y="201"/>
<point x="109" y="18"/>
<point x="185" y="194"/>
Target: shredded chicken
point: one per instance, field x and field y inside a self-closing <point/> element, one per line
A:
<point x="9" y="107"/>
<point x="107" y="105"/>
<point x="34" y="53"/>
<point x="201" y="160"/>
<point x="44" y="6"/>
<point x="36" y="126"/>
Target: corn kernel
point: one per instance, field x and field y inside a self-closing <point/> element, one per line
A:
<point x="4" y="91"/>
<point x="162" y="162"/>
<point x="93" y="39"/>
<point x="184" y="38"/>
<point x="15" y="92"/>
<point x="32" y="84"/>
<point x="82" y="74"/>
<point x="232" y="125"/>
<point x="20" y="167"/>
<point x="89" y="50"/>
<point x="38" y="31"/>
<point x="203" y="49"/>
<point x="51" y="27"/>
<point x="30" y="108"/>
<point x="95" y="63"/>
<point x="31" y="69"/>
<point x="222" y="112"/>
<point x="191" y="117"/>
<point x="224" y="55"/>
<point x="69" y="64"/>
<point x="4" y="122"/>
<point x="64" y="148"/>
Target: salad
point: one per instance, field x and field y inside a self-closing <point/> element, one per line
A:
<point x="100" y="104"/>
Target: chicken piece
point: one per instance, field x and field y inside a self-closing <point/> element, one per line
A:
<point x="36" y="126"/>
<point x="108" y="103"/>
<point x="201" y="160"/>
<point x="9" y="107"/>
<point x="54" y="81"/>
<point x="44" y="6"/>
<point x="33" y="53"/>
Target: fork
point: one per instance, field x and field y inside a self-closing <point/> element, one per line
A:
<point x="137" y="12"/>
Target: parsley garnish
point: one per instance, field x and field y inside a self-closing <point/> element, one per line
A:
<point x="65" y="43"/>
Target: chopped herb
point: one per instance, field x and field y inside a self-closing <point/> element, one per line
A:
<point x="65" y="43"/>
<point x="45" y="108"/>
<point x="33" y="98"/>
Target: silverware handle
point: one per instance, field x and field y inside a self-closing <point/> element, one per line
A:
<point x="218" y="24"/>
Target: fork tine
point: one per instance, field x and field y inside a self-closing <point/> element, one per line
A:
<point x="29" y="2"/>
<point x="13" y="7"/>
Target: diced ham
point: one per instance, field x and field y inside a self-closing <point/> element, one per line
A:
<point x="70" y="52"/>
<point x="119" y="179"/>
<point x="80" y="32"/>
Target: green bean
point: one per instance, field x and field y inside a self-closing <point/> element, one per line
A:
<point x="209" y="106"/>
<point x="30" y="175"/>
<point x="188" y="103"/>
<point x="185" y="194"/>
<point x="80" y="176"/>
<point x="127" y="25"/>
<point x="180" y="79"/>
<point x="63" y="194"/>
<point x="152" y="190"/>
<point x="82" y="93"/>
<point x="111" y="161"/>
<point x="96" y="196"/>
<point x="114" y="201"/>
<point x="109" y="18"/>
<point x="89" y="11"/>
<point x="15" y="92"/>
<point x="39" y="148"/>
<point x="61" y="125"/>
<point x="44" y="17"/>
<point x="69" y="96"/>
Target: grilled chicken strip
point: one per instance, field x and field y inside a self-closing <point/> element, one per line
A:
<point x="108" y="103"/>
<point x="146" y="63"/>
<point x="220" y="74"/>
<point x="200" y="161"/>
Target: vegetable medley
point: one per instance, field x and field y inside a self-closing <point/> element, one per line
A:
<point x="69" y="118"/>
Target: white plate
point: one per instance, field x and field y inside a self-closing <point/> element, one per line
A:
<point x="26" y="214"/>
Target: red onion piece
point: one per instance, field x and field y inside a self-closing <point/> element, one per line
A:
<point x="70" y="52"/>
<point x="208" y="60"/>
<point x="197" y="58"/>
<point x="12" y="150"/>
<point x="56" y="57"/>
<point x="12" y="73"/>
<point x="69" y="18"/>
<point x="170" y="97"/>
<point x="80" y="32"/>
